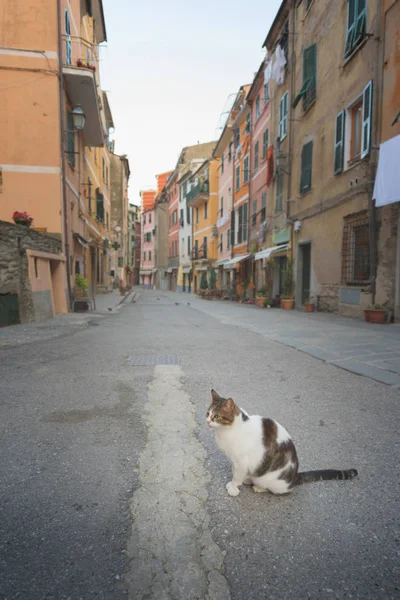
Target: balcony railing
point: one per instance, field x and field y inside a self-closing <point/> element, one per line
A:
<point x="199" y="191"/>
<point x="78" y="52"/>
<point x="199" y="253"/>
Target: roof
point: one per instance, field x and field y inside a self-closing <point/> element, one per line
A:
<point x="197" y="151"/>
<point x="162" y="179"/>
<point x="254" y="85"/>
<point x="278" y="22"/>
<point x="99" y="21"/>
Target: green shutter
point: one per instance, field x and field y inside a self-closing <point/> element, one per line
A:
<point x="265" y="143"/>
<point x="306" y="167"/>
<point x="308" y="89"/>
<point x="339" y="143"/>
<point x="366" y="119"/>
<point x="238" y="177"/>
<point x="232" y="228"/>
<point x="256" y="155"/>
<point x="245" y="221"/>
<point x="279" y="193"/>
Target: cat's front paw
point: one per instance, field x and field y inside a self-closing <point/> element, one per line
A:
<point x="233" y="490"/>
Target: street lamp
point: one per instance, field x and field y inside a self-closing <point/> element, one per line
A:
<point x="78" y="117"/>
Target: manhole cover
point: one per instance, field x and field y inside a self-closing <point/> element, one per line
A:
<point x="152" y="360"/>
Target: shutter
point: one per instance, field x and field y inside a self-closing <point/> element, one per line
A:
<point x="310" y="63"/>
<point x="281" y="119"/>
<point x="366" y="119"/>
<point x="188" y="214"/>
<point x="232" y="228"/>
<point x="240" y="224"/>
<point x="306" y="167"/>
<point x="339" y="143"/>
<point x="68" y="41"/>
<point x="351" y="26"/>
<point x="245" y="221"/>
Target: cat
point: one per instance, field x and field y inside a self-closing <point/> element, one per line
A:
<point x="261" y="451"/>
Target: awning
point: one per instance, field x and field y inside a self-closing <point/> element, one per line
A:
<point x="266" y="253"/>
<point x="220" y="263"/>
<point x="81" y="240"/>
<point x="187" y="269"/>
<point x="231" y="264"/>
<point x="154" y="270"/>
<point x="148" y="272"/>
<point x="169" y="270"/>
<point x="201" y="268"/>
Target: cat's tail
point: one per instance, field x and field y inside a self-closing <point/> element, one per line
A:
<point x="309" y="476"/>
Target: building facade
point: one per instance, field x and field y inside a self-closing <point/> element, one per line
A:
<point x="120" y="173"/>
<point x="133" y="246"/>
<point x="147" y="262"/>
<point x="176" y="219"/>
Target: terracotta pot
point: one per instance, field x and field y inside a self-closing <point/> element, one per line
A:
<point x="260" y="302"/>
<point x="122" y="293"/>
<point x="287" y="304"/>
<point x="374" y="315"/>
<point x="309" y="307"/>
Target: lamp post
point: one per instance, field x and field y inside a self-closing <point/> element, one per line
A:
<point x="78" y="117"/>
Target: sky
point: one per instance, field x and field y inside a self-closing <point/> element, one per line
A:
<point x="170" y="68"/>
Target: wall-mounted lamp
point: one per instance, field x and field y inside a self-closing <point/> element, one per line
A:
<point x="78" y="117"/>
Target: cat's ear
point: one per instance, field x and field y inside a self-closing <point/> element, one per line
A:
<point x="230" y="405"/>
<point x="214" y="395"/>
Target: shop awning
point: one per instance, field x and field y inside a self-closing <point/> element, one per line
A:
<point x="221" y="263"/>
<point x="187" y="270"/>
<point x="231" y="264"/>
<point x="147" y="272"/>
<point x="169" y="270"/>
<point x="266" y="253"/>
<point x="81" y="240"/>
<point x="204" y="268"/>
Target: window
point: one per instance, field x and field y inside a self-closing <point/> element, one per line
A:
<point x="356" y="252"/>
<point x="228" y="239"/>
<point x="68" y="40"/>
<point x="221" y="242"/>
<point x="197" y="216"/>
<point x="149" y="217"/>
<point x="144" y="255"/>
<point x="246" y="170"/>
<point x="245" y="220"/>
<point x="356" y="24"/>
<point x="266" y="92"/>
<point x="174" y="217"/>
<point x="238" y="177"/>
<point x="148" y="236"/>
<point x="222" y="164"/>
<point x="242" y="225"/>
<point x="283" y="116"/>
<point x="221" y="212"/>
<point x="279" y="192"/>
<point x="188" y="245"/>
<point x="89" y="184"/>
<point x="230" y="151"/>
<point x="181" y="213"/>
<point x="339" y="143"/>
<point x="99" y="206"/>
<point x="254" y="218"/>
<point x="206" y="209"/>
<point x="196" y="248"/>
<point x="306" y="167"/>
<point x="263" y="205"/>
<point x="103" y="169"/>
<point x="205" y="247"/>
<point x="356" y="128"/>
<point x="144" y="219"/>
<point x="149" y="254"/>
<point x="309" y="87"/>
<point x="257" y="107"/>
<point x="366" y="120"/>
<point x="70" y="140"/>
<point x="256" y="155"/>
<point x="188" y="215"/>
<point x="248" y="124"/>
<point x="265" y="143"/>
<point x="236" y="136"/>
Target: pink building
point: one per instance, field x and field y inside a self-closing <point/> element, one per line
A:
<point x="258" y="99"/>
<point x="147" y="260"/>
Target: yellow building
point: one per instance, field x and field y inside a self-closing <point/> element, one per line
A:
<point x="203" y="199"/>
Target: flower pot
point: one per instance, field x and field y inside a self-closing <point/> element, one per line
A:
<point x="309" y="307"/>
<point x="122" y="293"/>
<point x="287" y="304"/>
<point x="260" y="301"/>
<point x="375" y="315"/>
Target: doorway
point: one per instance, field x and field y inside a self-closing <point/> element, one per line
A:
<point x="305" y="272"/>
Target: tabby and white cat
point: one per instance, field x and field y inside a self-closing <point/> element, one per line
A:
<point x="261" y="451"/>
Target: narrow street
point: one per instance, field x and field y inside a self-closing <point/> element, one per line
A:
<point x="111" y="485"/>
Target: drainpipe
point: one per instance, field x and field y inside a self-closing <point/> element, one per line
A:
<point x="372" y="167"/>
<point x="65" y="232"/>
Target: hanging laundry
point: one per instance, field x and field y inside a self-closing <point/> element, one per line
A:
<point x="268" y="72"/>
<point x="238" y="150"/>
<point x="387" y="181"/>
<point x="270" y="164"/>
<point x="278" y="69"/>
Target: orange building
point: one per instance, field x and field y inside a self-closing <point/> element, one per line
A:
<point x="54" y="147"/>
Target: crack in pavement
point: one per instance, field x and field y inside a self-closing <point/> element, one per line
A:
<point x="173" y="555"/>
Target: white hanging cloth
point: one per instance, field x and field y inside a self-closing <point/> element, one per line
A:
<point x="387" y="181"/>
<point x="278" y="69"/>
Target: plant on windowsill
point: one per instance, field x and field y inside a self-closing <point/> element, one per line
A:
<point x="85" y="65"/>
<point x="287" y="300"/>
<point x="22" y="218"/>
<point x="309" y="305"/>
<point x="375" y="313"/>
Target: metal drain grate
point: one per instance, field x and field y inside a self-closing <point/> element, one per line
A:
<point x="152" y="360"/>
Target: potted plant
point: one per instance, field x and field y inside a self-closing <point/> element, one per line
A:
<point x="375" y="313"/>
<point x="267" y="303"/>
<point x="262" y="294"/>
<point x="122" y="288"/>
<point x="287" y="300"/>
<point x="309" y="305"/>
<point x="81" y="286"/>
<point x="22" y="218"/>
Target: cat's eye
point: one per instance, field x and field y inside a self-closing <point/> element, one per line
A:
<point x="216" y="417"/>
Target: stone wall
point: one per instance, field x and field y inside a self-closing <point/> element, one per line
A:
<point x="14" y="277"/>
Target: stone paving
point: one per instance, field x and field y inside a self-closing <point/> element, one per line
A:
<point x="364" y="348"/>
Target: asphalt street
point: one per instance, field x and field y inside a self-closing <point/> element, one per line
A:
<point x="111" y="485"/>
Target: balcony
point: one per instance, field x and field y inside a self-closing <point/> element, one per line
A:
<point x="199" y="253"/>
<point x="80" y="62"/>
<point x="198" y="194"/>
